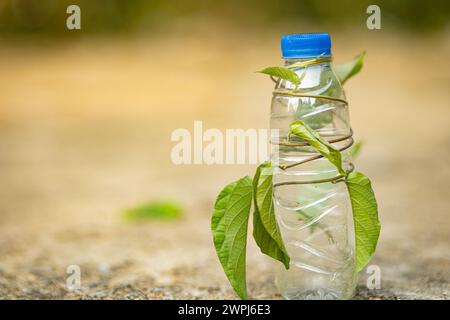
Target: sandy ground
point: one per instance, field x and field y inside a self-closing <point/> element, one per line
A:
<point x="85" y="133"/>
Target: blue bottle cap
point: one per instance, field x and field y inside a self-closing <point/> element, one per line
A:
<point x="305" y="45"/>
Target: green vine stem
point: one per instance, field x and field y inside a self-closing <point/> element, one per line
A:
<point x="318" y="156"/>
<point x="292" y="93"/>
<point x="336" y="179"/>
<point x="288" y="143"/>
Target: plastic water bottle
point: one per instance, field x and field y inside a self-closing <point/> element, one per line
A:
<point x="315" y="219"/>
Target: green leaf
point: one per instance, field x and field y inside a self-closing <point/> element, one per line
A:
<point x="355" y="149"/>
<point x="265" y="228"/>
<point x="305" y="132"/>
<point x="347" y="70"/>
<point x="229" y="228"/>
<point x="283" y="73"/>
<point x="154" y="210"/>
<point x="365" y="217"/>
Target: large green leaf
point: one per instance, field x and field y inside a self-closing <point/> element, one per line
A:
<point x="283" y="73"/>
<point x="347" y="70"/>
<point x="229" y="228"/>
<point x="365" y="217"/>
<point x="265" y="228"/>
<point x="305" y="132"/>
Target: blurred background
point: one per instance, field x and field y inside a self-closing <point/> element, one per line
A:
<point x="86" y="117"/>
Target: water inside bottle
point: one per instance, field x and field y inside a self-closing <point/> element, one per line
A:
<point x="315" y="222"/>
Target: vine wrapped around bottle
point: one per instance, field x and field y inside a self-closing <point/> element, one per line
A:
<point x="232" y="207"/>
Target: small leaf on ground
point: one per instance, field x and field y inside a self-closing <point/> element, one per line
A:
<point x="305" y="132"/>
<point x="347" y="70"/>
<point x="365" y="216"/>
<point x="155" y="210"/>
<point x="265" y="228"/>
<point x="229" y="229"/>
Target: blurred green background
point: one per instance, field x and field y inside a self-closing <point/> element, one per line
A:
<point x="116" y="16"/>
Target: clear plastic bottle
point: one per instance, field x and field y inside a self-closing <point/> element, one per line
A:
<point x="315" y="219"/>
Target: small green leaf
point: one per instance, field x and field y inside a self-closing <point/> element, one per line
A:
<point x="355" y="149"/>
<point x="229" y="228"/>
<point x="305" y="132"/>
<point x="265" y="228"/>
<point x="154" y="210"/>
<point x="365" y="217"/>
<point x="347" y="70"/>
<point x="283" y="73"/>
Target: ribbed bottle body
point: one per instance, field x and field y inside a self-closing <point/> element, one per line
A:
<point x="315" y="218"/>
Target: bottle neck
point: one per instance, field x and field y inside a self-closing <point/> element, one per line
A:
<point x="308" y="61"/>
